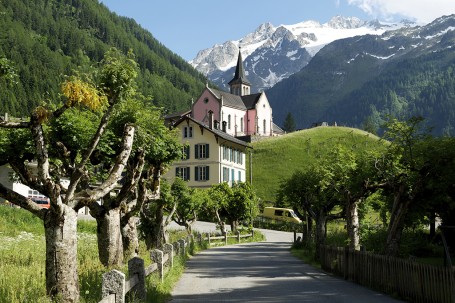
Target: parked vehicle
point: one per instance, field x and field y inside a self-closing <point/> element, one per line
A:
<point x="281" y="214"/>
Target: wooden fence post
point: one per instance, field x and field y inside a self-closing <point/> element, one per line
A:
<point x="208" y="236"/>
<point x="199" y="238"/>
<point x="157" y="257"/>
<point x="136" y="267"/>
<point x="114" y="283"/>
<point x="225" y="238"/>
<point x="238" y="236"/>
<point x="169" y="249"/>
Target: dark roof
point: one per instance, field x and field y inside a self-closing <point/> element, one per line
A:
<point x="178" y="114"/>
<point x="250" y="100"/>
<point x="216" y="132"/>
<point x="277" y="129"/>
<point x="239" y="76"/>
<point x="229" y="99"/>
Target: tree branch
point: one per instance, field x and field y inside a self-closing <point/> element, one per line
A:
<point x="22" y="201"/>
<point x="78" y="171"/>
<point x="8" y="124"/>
<point x="87" y="196"/>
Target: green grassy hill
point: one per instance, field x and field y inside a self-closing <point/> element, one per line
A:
<point x="277" y="158"/>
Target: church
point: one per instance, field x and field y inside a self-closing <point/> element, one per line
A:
<point x="237" y="113"/>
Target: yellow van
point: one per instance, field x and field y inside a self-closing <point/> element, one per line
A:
<point x="281" y="214"/>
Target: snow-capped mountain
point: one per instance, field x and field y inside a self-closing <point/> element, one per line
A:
<point x="401" y="73"/>
<point x="274" y="53"/>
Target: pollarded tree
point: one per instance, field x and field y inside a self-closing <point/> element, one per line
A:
<point x="153" y="219"/>
<point x="312" y="191"/>
<point x="219" y="196"/>
<point x="188" y="206"/>
<point x="403" y="173"/>
<point x="32" y="163"/>
<point x="155" y="146"/>
<point x="241" y="205"/>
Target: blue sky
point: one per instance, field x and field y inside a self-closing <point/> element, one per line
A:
<point x="188" y="26"/>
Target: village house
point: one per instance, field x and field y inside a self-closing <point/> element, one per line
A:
<point x="210" y="156"/>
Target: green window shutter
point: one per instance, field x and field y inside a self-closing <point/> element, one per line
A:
<point x="207" y="176"/>
<point x="196" y="151"/>
<point x="187" y="173"/>
<point x="207" y="151"/>
<point x="196" y="173"/>
<point x="176" y="171"/>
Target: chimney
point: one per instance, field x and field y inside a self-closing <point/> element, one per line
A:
<point x="210" y="119"/>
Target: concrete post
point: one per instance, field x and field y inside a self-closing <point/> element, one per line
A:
<point x="114" y="283"/>
<point x="182" y="243"/>
<point x="238" y="236"/>
<point x="157" y="257"/>
<point x="136" y="267"/>
<point x="169" y="249"/>
<point x="176" y="247"/>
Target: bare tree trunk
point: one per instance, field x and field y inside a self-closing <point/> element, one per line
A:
<point x="61" y="255"/>
<point x="320" y="233"/>
<point x="352" y="218"/>
<point x="110" y="247"/>
<point x="396" y="225"/>
<point x="130" y="238"/>
<point x="220" y="222"/>
<point x="234" y="225"/>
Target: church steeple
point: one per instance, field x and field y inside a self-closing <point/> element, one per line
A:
<point x="239" y="84"/>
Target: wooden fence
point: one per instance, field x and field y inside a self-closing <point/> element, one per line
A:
<point x="225" y="237"/>
<point x="412" y="281"/>
<point x="115" y="286"/>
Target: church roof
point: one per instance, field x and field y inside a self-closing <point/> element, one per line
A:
<point x="229" y="99"/>
<point x="239" y="77"/>
<point x="251" y="100"/>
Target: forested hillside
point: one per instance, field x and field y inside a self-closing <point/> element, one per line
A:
<point x="47" y="39"/>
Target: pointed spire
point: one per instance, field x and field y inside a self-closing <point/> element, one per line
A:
<point x="239" y="77"/>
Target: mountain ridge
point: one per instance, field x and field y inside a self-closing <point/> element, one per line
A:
<point x="274" y="53"/>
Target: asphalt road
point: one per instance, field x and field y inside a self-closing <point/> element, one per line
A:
<point x="263" y="272"/>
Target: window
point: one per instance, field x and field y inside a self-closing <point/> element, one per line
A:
<point x="240" y="158"/>
<point x="240" y="176"/>
<point x="263" y="126"/>
<point x="183" y="173"/>
<point x="201" y="151"/>
<point x="206" y="100"/>
<point x="225" y="174"/>
<point x="229" y="121"/>
<point x="241" y="125"/>
<point x="188" y="132"/>
<point x="186" y="152"/>
<point x="201" y="173"/>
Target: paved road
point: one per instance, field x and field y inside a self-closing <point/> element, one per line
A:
<point x="263" y="272"/>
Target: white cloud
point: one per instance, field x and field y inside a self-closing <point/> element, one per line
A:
<point x="422" y="11"/>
